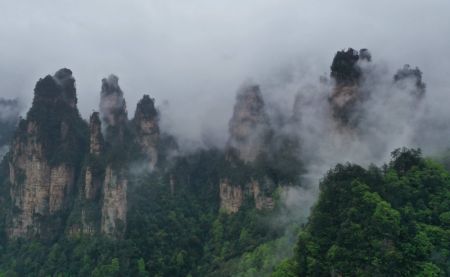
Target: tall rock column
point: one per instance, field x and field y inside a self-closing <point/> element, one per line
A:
<point x="147" y="130"/>
<point x="114" y="116"/>
<point x="45" y="152"/>
<point x="113" y="110"/>
<point x="249" y="125"/>
<point x="88" y="213"/>
<point x="346" y="96"/>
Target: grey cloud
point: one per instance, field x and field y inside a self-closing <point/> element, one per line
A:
<point x="195" y="54"/>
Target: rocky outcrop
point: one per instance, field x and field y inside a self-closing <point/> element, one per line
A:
<point x="67" y="83"/>
<point x="346" y="96"/>
<point x="262" y="202"/>
<point x="249" y="125"/>
<point x="114" y="208"/>
<point x="113" y="110"/>
<point x="232" y="196"/>
<point x="43" y="158"/>
<point x="147" y="130"/>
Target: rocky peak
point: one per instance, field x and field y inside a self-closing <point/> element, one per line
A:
<point x="347" y="74"/>
<point x="58" y="89"/>
<point x="145" y="109"/>
<point x="345" y="69"/>
<point x="65" y="79"/>
<point x="410" y="79"/>
<point x="112" y="104"/>
<point x="249" y="124"/>
<point x="147" y="129"/>
<point x="45" y="151"/>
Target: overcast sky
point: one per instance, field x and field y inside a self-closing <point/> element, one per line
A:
<point x="196" y="53"/>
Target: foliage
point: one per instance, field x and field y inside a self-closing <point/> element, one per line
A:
<point x="174" y="228"/>
<point x="390" y="222"/>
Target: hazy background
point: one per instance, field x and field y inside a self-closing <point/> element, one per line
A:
<point x="193" y="55"/>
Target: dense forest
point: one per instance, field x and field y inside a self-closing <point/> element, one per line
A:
<point x="388" y="221"/>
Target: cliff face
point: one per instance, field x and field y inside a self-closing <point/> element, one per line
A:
<point x="147" y="130"/>
<point x="114" y="210"/>
<point x="104" y="195"/>
<point x="233" y="196"/>
<point x="249" y="125"/>
<point x="93" y="178"/>
<point x="44" y="153"/>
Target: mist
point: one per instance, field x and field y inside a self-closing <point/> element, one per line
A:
<point x="192" y="56"/>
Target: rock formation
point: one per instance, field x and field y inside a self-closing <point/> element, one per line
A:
<point x="410" y="79"/>
<point x="114" y="188"/>
<point x="233" y="196"/>
<point x="113" y="111"/>
<point x="44" y="153"/>
<point x="93" y="176"/>
<point x="147" y="130"/>
<point x="114" y="210"/>
<point x="347" y="95"/>
<point x="249" y="125"/>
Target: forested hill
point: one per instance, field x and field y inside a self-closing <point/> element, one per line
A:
<point x="388" y="221"/>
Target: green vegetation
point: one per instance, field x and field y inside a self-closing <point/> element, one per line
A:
<point x="388" y="221"/>
<point x="58" y="126"/>
<point x="392" y="221"/>
<point x="171" y="230"/>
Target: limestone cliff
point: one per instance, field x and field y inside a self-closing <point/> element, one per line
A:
<point x="114" y="208"/>
<point x="93" y="177"/>
<point x="147" y="130"/>
<point x="233" y="196"/>
<point x="249" y="125"/>
<point x="262" y="202"/>
<point x="45" y="151"/>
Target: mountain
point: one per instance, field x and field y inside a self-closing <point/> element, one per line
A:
<point x="118" y="196"/>
<point x="108" y="181"/>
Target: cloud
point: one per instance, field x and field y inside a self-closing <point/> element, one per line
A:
<point x="195" y="54"/>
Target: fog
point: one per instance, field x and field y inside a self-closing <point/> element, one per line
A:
<point x="192" y="56"/>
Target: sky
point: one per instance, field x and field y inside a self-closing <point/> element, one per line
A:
<point x="192" y="55"/>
